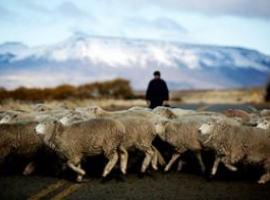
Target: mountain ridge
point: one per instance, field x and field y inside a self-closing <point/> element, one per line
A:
<point x="81" y="59"/>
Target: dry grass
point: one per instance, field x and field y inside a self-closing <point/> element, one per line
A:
<point x="254" y="96"/>
<point x="110" y="104"/>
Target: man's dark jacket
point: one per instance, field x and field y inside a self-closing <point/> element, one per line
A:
<point x="157" y="92"/>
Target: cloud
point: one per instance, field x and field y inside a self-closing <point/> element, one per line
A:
<point x="245" y="8"/>
<point x="69" y="9"/>
<point x="168" y="24"/>
<point x="153" y="29"/>
<point x="5" y="14"/>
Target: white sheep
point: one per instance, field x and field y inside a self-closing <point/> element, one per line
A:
<point x="20" y="139"/>
<point x="76" y="141"/>
<point x="237" y="143"/>
<point x="183" y="136"/>
<point x="13" y="117"/>
<point x="140" y="133"/>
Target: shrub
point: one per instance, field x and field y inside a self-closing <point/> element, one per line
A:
<point x="118" y="88"/>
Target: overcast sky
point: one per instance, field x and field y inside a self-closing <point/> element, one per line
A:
<point x="243" y="23"/>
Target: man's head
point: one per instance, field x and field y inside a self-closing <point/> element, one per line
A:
<point x="157" y="74"/>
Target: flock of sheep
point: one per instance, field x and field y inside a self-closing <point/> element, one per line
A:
<point x="234" y="135"/>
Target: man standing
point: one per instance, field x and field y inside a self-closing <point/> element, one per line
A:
<point x="157" y="91"/>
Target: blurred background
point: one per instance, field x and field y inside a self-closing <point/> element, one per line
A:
<point x="207" y="51"/>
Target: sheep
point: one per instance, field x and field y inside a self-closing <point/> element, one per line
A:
<point x="264" y="123"/>
<point x="249" y="119"/>
<point x="139" y="108"/>
<point x="99" y="112"/>
<point x="164" y="112"/>
<point x="19" y="139"/>
<point x="237" y="143"/>
<point x="177" y="113"/>
<point x="13" y="117"/>
<point x="182" y="136"/>
<point x="41" y="107"/>
<point x="237" y="113"/>
<point x="91" y="137"/>
<point x="139" y="133"/>
<point x="265" y="113"/>
<point x="8" y="116"/>
<point x="172" y="113"/>
<point x="75" y="117"/>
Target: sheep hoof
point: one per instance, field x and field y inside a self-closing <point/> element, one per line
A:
<point x="105" y="174"/>
<point x="166" y="169"/>
<point x="26" y="173"/>
<point x="79" y="179"/>
<point x="124" y="172"/>
<point x="155" y="167"/>
<point x="261" y="182"/>
<point x="234" y="169"/>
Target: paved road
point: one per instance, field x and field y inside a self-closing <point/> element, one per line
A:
<point x="173" y="185"/>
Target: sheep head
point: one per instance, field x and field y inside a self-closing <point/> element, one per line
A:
<point x="74" y="117"/>
<point x="8" y="118"/>
<point x="264" y="124"/>
<point x="160" y="127"/>
<point x="207" y="128"/>
<point x="47" y="130"/>
<point x="164" y="112"/>
<point x="48" y="127"/>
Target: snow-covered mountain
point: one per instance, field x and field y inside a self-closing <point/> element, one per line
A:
<point x="82" y="59"/>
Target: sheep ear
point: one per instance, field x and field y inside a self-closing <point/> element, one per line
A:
<point x="165" y="122"/>
<point x="218" y="121"/>
<point x="59" y="128"/>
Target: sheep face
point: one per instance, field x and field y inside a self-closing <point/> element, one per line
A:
<point x="8" y="118"/>
<point x="164" y="112"/>
<point x="206" y="128"/>
<point x="264" y="124"/>
<point x="160" y="127"/>
<point x="40" y="129"/>
<point x="69" y="119"/>
<point x="92" y="110"/>
<point x="45" y="127"/>
<point x="95" y="110"/>
<point x="66" y="120"/>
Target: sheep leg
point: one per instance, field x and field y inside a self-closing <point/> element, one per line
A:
<point x="149" y="152"/>
<point x="199" y="158"/>
<point x="180" y="165"/>
<point x="79" y="177"/>
<point x="264" y="178"/>
<point x="228" y="165"/>
<point x="175" y="156"/>
<point x="29" y="169"/>
<point x="159" y="157"/>
<point x="215" y="166"/>
<point x="75" y="168"/>
<point x="123" y="160"/>
<point x="113" y="158"/>
<point x="154" y="161"/>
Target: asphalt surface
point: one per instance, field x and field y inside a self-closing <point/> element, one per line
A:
<point x="187" y="184"/>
